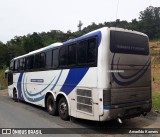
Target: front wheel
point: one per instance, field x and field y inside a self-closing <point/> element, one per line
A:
<point x="15" y="95"/>
<point x="63" y="109"/>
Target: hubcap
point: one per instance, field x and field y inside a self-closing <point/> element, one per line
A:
<point x="63" y="107"/>
<point x="50" y="107"/>
<point x="15" y="95"/>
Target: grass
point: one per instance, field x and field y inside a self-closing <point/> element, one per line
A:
<point x="156" y="101"/>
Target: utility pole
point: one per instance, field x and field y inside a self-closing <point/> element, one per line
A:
<point x="80" y="24"/>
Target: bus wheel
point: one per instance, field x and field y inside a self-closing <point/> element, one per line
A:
<point x="15" y="95"/>
<point x="63" y="109"/>
<point x="51" y="105"/>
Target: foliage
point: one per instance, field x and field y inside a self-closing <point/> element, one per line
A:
<point x="3" y="81"/>
<point x="149" y="23"/>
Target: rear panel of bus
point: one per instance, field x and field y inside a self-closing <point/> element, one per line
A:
<point x="129" y="94"/>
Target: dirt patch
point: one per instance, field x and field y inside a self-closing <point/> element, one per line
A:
<point x="4" y="92"/>
<point x="154" y="43"/>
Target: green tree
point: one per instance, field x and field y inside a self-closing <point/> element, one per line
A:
<point x="150" y="21"/>
<point x="3" y="55"/>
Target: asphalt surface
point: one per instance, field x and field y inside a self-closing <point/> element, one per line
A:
<point x="24" y="115"/>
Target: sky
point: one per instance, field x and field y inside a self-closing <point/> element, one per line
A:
<point x="22" y="17"/>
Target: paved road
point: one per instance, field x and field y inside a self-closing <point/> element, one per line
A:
<point x="24" y="115"/>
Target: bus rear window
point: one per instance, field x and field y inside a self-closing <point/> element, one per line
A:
<point x="128" y="43"/>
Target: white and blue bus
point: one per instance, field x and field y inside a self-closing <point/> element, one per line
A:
<point x="103" y="75"/>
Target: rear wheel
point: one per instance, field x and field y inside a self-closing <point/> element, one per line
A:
<point x="51" y="105"/>
<point x="63" y="109"/>
<point x="15" y="95"/>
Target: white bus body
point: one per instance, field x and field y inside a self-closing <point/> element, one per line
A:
<point x="117" y="84"/>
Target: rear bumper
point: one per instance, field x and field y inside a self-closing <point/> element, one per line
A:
<point x="126" y="111"/>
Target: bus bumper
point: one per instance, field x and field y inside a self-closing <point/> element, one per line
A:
<point x="126" y="112"/>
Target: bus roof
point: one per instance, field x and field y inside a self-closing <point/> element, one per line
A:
<point x="127" y="30"/>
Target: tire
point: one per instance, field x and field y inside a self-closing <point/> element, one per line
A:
<point x="51" y="106"/>
<point x="15" y="95"/>
<point x="63" y="109"/>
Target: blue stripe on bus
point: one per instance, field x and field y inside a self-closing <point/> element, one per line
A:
<point x="73" y="78"/>
<point x="19" y="86"/>
<point x="106" y="107"/>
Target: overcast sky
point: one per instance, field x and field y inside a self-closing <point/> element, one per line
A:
<point x="21" y="17"/>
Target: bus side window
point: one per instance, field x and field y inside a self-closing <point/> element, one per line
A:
<point x="91" y="52"/>
<point x="16" y="67"/>
<point x="24" y="63"/>
<point x="82" y="52"/>
<point x="21" y="64"/>
<point x="63" y="56"/>
<point x="55" y="58"/>
<point x="42" y="60"/>
<point x="72" y="54"/>
<point x="37" y="61"/>
<point x="11" y="67"/>
<point x="49" y="59"/>
<point x="29" y="62"/>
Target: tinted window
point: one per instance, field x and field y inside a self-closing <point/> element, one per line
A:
<point x="91" y="52"/>
<point x="128" y="43"/>
<point x="21" y="64"/>
<point x="82" y="52"/>
<point x="42" y="60"/>
<point x="11" y="67"/>
<point x="37" y="61"/>
<point x="63" y="56"/>
<point x="72" y="54"/>
<point x="16" y="68"/>
<point x="55" y="58"/>
<point x="29" y="62"/>
<point x="49" y="59"/>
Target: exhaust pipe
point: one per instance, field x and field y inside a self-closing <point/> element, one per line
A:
<point x="119" y="120"/>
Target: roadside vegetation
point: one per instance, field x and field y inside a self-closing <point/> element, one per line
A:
<point x="155" y="57"/>
<point x="156" y="101"/>
<point x="3" y="81"/>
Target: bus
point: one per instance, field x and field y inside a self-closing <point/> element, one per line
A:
<point x="102" y="75"/>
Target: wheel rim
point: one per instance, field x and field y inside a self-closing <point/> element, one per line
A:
<point x="50" y="106"/>
<point x="63" y="108"/>
<point x="15" y="95"/>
